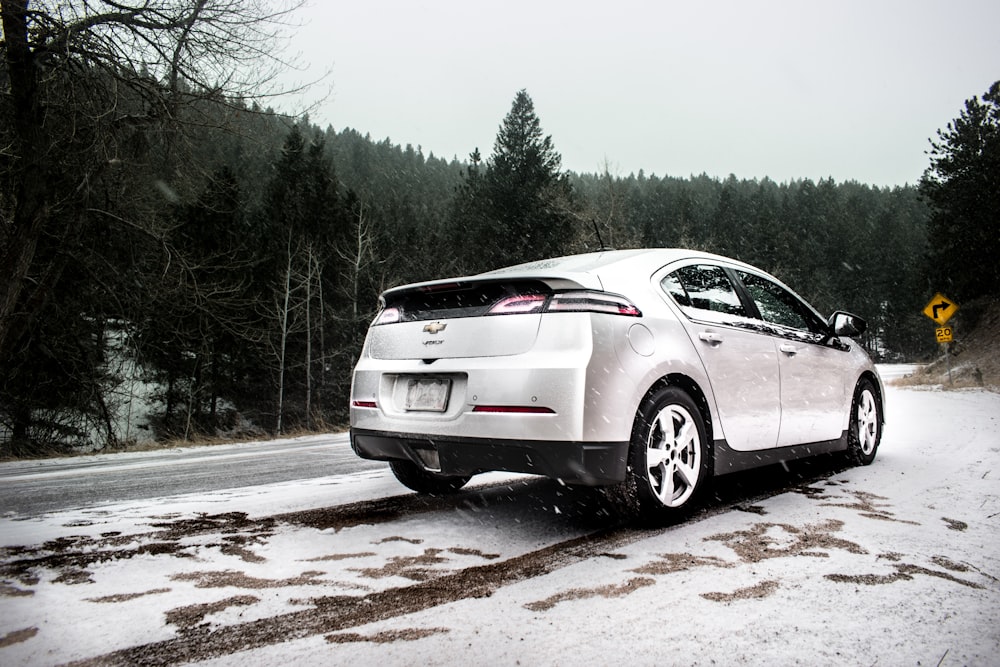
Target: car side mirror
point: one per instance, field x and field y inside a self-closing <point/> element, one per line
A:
<point x="845" y="324"/>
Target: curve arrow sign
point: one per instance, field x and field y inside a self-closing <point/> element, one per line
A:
<point x="940" y="309"/>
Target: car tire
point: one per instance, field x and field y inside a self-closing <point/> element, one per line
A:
<point x="669" y="461"/>
<point x="416" y="478"/>
<point x="864" y="431"/>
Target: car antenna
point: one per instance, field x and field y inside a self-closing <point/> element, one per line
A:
<point x="597" y="230"/>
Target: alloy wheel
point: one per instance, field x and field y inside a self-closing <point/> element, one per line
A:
<point x="673" y="456"/>
<point x="867" y="422"/>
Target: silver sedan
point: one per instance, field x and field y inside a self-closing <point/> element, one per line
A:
<point x="645" y="370"/>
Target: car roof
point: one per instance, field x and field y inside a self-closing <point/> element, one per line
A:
<point x="595" y="261"/>
<point x="584" y="270"/>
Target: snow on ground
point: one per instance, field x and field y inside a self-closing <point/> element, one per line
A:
<point x="897" y="563"/>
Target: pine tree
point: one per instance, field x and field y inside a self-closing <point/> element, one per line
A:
<point x="518" y="208"/>
<point x="962" y="187"/>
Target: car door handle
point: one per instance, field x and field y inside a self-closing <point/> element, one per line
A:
<point x="790" y="350"/>
<point x="711" y="338"/>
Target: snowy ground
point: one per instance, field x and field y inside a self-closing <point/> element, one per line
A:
<point x="893" y="564"/>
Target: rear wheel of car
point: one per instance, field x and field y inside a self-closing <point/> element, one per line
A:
<point x="416" y="478"/>
<point x="669" y="461"/>
<point x="865" y="426"/>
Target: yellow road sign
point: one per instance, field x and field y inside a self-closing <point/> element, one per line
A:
<point x="940" y="309"/>
<point x="944" y="334"/>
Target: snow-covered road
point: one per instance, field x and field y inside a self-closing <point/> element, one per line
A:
<point x="893" y="564"/>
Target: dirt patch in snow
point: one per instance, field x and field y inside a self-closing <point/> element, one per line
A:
<point x="387" y="637"/>
<point x="757" y="591"/>
<point x="609" y="591"/>
<point x="904" y="572"/>
<point x="192" y="616"/>
<point x="125" y="597"/>
<point x="955" y="524"/>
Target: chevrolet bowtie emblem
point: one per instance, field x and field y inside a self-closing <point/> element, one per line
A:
<point x="435" y="327"/>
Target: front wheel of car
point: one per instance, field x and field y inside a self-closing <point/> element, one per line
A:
<point x="865" y="425"/>
<point x="416" y="478"/>
<point x="669" y="460"/>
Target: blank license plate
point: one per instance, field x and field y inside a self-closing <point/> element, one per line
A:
<point x="427" y="394"/>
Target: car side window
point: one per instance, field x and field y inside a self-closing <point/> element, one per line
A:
<point x="779" y="306"/>
<point x="704" y="291"/>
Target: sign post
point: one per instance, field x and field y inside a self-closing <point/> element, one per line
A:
<point x="940" y="309"/>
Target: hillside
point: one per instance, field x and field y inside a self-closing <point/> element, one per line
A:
<point x="975" y="354"/>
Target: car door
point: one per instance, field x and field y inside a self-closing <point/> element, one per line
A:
<point x="811" y="373"/>
<point x="741" y="362"/>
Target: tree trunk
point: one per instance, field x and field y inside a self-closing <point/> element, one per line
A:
<point x="28" y="176"/>
<point x="309" y="279"/>
<point x="284" y="337"/>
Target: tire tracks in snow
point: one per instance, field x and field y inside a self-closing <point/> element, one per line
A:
<point x="331" y="614"/>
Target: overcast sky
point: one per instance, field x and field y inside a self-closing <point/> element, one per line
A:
<point x="787" y="89"/>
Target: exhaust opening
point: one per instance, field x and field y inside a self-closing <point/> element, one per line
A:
<point x="428" y="455"/>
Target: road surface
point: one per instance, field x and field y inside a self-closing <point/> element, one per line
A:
<point x="31" y="488"/>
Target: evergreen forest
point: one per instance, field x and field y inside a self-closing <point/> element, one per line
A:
<point x="180" y="261"/>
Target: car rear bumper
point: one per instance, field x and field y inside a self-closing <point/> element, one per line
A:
<point x="585" y="463"/>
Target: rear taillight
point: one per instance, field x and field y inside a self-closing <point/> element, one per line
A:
<point x="387" y="316"/>
<point x="592" y="302"/>
<point x="566" y="302"/>
<point x="519" y="305"/>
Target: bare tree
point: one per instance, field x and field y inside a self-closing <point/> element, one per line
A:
<point x="81" y="76"/>
<point x="292" y="314"/>
<point x="357" y="256"/>
<point x="284" y="311"/>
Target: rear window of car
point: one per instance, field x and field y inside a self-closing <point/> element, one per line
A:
<point x="460" y="299"/>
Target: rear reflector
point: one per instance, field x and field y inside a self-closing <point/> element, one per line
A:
<point x="364" y="404"/>
<point x="514" y="409"/>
